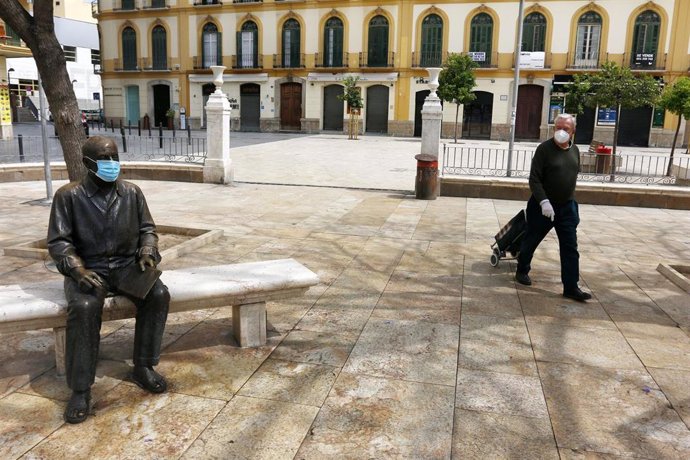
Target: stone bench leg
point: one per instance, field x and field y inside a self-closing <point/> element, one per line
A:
<point x="249" y="324"/>
<point x="60" y="340"/>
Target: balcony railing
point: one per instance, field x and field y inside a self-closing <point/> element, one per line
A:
<point x="125" y="5"/>
<point x="207" y="2"/>
<point x="198" y="63"/>
<point x="580" y="62"/>
<point x="153" y="4"/>
<point x="533" y="62"/>
<point x="645" y="61"/>
<point x="428" y="59"/>
<point x="377" y="60"/>
<point x="288" y="61"/>
<point x="332" y="61"/>
<point x="8" y="37"/>
<point x="130" y="65"/>
<point x="247" y="1"/>
<point x="484" y="60"/>
<point x="95" y="8"/>
<point x="239" y="62"/>
<point x="155" y="64"/>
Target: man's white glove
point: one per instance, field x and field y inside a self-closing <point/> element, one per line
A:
<point x="547" y="209"/>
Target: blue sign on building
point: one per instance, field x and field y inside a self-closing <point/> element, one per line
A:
<point x="606" y="117"/>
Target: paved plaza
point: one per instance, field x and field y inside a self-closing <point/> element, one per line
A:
<point x="412" y="346"/>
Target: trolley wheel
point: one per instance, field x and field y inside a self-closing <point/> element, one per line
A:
<point x="495" y="258"/>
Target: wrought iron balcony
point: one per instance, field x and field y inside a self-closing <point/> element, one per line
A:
<point x="332" y="61"/>
<point x="580" y="62"/>
<point x="207" y="2"/>
<point x="127" y="65"/>
<point x="198" y="63"/>
<point x="244" y="62"/>
<point x="377" y="60"/>
<point x="154" y="4"/>
<point x="155" y="64"/>
<point x="288" y="61"/>
<point x="429" y="59"/>
<point x="95" y="8"/>
<point x="247" y="1"/>
<point x="645" y="61"/>
<point x="126" y="5"/>
<point x="8" y="37"/>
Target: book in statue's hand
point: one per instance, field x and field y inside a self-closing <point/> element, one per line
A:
<point x="132" y="281"/>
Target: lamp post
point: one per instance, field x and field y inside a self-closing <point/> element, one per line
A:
<point x="13" y="109"/>
<point x="516" y="84"/>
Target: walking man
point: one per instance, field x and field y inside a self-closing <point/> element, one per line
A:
<point x="101" y="227"/>
<point x="552" y="180"/>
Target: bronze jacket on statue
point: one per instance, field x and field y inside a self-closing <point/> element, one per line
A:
<point x="86" y="231"/>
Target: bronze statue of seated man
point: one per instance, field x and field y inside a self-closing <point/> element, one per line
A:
<point x="99" y="228"/>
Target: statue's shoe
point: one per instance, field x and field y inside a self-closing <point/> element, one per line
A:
<point x="78" y="407"/>
<point x="149" y="380"/>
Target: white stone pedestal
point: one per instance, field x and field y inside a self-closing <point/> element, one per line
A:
<point x="218" y="166"/>
<point x="432" y="113"/>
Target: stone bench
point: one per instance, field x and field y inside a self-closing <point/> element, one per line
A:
<point x="246" y="287"/>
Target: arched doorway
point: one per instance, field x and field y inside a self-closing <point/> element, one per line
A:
<point x="419" y="99"/>
<point x="333" y="108"/>
<point x="250" y="107"/>
<point x="476" y="116"/>
<point x="377" y="109"/>
<point x="161" y="103"/>
<point x="291" y="106"/>
<point x="528" y="116"/>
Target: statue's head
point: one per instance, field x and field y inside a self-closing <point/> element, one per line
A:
<point x="100" y="157"/>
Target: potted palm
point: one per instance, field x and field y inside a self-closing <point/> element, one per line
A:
<point x="170" y="114"/>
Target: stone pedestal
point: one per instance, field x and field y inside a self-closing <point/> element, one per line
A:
<point x="432" y="113"/>
<point x="218" y="166"/>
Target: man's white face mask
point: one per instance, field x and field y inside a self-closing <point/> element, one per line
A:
<point x="561" y="136"/>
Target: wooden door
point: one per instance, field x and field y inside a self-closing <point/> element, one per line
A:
<point x="377" y="109"/>
<point x="528" y="117"/>
<point x="291" y="106"/>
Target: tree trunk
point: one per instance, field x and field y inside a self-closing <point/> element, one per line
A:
<point x="38" y="33"/>
<point x="673" y="146"/>
<point x="457" y="113"/>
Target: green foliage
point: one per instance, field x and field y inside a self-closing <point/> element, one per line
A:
<point x="170" y="113"/>
<point x="613" y="86"/>
<point x="352" y="95"/>
<point x="456" y="81"/>
<point x="676" y="98"/>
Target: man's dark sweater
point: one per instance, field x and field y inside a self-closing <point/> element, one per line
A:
<point x="554" y="172"/>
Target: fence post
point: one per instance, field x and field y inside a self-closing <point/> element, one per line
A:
<point x="129" y="127"/>
<point x="149" y="129"/>
<point x="139" y="127"/>
<point x="124" y="139"/>
<point x="173" y="128"/>
<point x="112" y="127"/>
<point x="189" y="135"/>
<point x="20" y="140"/>
<point x="160" y="135"/>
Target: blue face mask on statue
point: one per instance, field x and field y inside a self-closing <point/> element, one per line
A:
<point x="107" y="170"/>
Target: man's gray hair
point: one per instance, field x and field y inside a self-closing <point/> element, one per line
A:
<point x="565" y="116"/>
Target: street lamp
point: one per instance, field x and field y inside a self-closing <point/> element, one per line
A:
<point x="13" y="110"/>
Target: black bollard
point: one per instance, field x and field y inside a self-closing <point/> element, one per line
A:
<point x="20" y="140"/>
<point x="129" y="127"/>
<point x="112" y="128"/>
<point x="173" y="128"/>
<point x="160" y="135"/>
<point x="124" y="139"/>
<point x="189" y="135"/>
<point x="139" y="127"/>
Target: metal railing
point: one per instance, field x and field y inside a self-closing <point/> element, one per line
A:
<point x="641" y="62"/>
<point x="429" y="59"/>
<point x="133" y="65"/>
<point x="240" y="62"/>
<point x="334" y="61"/>
<point x="621" y="168"/>
<point x="166" y="149"/>
<point x="590" y="62"/>
<point x="368" y="60"/>
<point x="288" y="61"/>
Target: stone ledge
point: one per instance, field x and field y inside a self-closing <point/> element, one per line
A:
<point x="131" y="170"/>
<point x="611" y="194"/>
<point x="678" y="274"/>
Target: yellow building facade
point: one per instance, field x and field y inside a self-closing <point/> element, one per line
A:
<point x="286" y="61"/>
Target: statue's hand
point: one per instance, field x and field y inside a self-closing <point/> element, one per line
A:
<point x="147" y="261"/>
<point x="87" y="279"/>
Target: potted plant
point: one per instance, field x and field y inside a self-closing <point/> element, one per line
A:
<point x="170" y="113"/>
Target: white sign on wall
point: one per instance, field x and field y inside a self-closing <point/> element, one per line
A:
<point x="477" y="56"/>
<point x="532" y="59"/>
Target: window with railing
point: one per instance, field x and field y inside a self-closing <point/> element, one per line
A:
<point x="248" y="46"/>
<point x="432" y="41"/>
<point x="377" y="48"/>
<point x="96" y="57"/>
<point x="645" y="40"/>
<point x="588" y="40"/>
<point x="159" y="42"/>
<point x="129" y="49"/>
<point x="70" y="53"/>
<point x="211" y="46"/>
<point x="534" y="32"/>
<point x="127" y="5"/>
<point x="9" y="36"/>
<point x="291" y="44"/>
<point x="481" y="37"/>
<point x="333" y="43"/>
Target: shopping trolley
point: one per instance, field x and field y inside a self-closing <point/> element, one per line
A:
<point x="508" y="239"/>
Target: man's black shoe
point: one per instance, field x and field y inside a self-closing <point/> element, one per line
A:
<point x="577" y="294"/>
<point x="523" y="278"/>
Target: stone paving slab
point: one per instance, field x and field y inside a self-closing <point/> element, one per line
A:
<point x="412" y="345"/>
